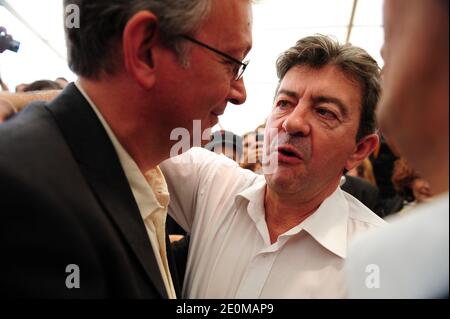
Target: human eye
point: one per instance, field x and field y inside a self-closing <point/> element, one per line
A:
<point x="326" y="113"/>
<point x="282" y="104"/>
<point x="231" y="66"/>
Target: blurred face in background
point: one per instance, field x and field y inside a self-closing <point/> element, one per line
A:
<point x="252" y="152"/>
<point x="421" y="190"/>
<point x="21" y="87"/>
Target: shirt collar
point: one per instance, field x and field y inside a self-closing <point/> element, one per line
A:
<point x="255" y="196"/>
<point x="327" y="225"/>
<point x="149" y="191"/>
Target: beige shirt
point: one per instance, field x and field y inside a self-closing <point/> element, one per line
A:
<point x="152" y="198"/>
<point x="231" y="255"/>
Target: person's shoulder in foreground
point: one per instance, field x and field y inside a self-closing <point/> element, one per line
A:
<point x="384" y="262"/>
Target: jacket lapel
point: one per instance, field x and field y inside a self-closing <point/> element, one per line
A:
<point x="100" y="165"/>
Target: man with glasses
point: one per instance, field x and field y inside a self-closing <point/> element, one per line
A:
<point x="238" y="66"/>
<point x="83" y="200"/>
<point x="236" y="69"/>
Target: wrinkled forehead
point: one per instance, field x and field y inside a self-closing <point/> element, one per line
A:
<point x="330" y="80"/>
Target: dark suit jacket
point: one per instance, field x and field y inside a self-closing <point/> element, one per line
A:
<point x="65" y="200"/>
<point x="365" y="192"/>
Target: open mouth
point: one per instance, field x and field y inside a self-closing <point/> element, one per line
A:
<point x="289" y="155"/>
<point x="290" y="152"/>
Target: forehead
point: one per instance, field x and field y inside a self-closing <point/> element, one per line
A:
<point x="229" y="25"/>
<point x="329" y="81"/>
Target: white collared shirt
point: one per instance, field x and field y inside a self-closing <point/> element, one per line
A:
<point x="152" y="198"/>
<point x="231" y="256"/>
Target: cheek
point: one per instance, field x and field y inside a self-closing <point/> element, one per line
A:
<point x="216" y="84"/>
<point x="271" y="132"/>
<point x="331" y="150"/>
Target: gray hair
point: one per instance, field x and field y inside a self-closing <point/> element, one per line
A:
<point x="319" y="50"/>
<point x="94" y="46"/>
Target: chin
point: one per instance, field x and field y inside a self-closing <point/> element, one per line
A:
<point x="281" y="182"/>
<point x="213" y="121"/>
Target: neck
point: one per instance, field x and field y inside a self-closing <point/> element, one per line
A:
<point x="120" y="104"/>
<point x="285" y="211"/>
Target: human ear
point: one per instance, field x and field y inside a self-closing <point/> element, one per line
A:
<point x="362" y="150"/>
<point x="140" y="37"/>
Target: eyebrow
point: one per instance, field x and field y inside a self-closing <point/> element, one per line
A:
<point x="237" y="51"/>
<point x="343" y="108"/>
<point x="288" y="93"/>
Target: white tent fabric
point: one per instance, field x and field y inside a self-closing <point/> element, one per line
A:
<point x="278" y="24"/>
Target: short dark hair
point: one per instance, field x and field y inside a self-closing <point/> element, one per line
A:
<point x="94" y="46"/>
<point x="319" y="50"/>
<point x="42" y="85"/>
<point x="225" y="138"/>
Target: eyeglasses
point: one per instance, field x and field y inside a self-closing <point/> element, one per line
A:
<point x="240" y="66"/>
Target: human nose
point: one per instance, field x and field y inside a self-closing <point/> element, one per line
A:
<point x="238" y="93"/>
<point x="296" y="123"/>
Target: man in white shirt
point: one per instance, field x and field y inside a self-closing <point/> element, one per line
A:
<point x="285" y="234"/>
<point x="410" y="257"/>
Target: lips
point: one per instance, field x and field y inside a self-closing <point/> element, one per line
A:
<point x="219" y="110"/>
<point x="289" y="155"/>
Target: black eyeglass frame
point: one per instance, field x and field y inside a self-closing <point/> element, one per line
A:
<point x="242" y="65"/>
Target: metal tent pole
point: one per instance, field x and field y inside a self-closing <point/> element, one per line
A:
<point x="352" y="19"/>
